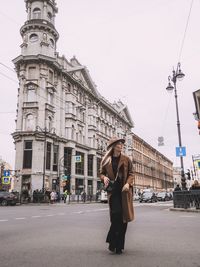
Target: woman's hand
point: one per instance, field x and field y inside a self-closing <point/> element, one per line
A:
<point x="125" y="187"/>
<point x="106" y="181"/>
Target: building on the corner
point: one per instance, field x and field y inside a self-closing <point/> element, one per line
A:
<point x="60" y="113"/>
<point x="152" y="169"/>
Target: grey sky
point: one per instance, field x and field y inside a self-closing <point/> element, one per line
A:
<point x="130" y="48"/>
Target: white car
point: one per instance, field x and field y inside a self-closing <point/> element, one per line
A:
<point x="103" y="196"/>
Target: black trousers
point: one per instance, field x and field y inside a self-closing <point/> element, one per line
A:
<point x="116" y="234"/>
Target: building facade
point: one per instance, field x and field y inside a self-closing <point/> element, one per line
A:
<point x="62" y="123"/>
<point x="152" y="169"/>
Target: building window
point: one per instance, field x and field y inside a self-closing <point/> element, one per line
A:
<point x="27" y="161"/>
<point x="51" y="76"/>
<point x="49" y="16"/>
<point x="55" y="158"/>
<point x="31" y="94"/>
<point x="33" y="37"/>
<point x="48" y="156"/>
<point x="80" y="165"/>
<point x="67" y="160"/>
<point x="36" y="13"/>
<point x="90" y="165"/>
<point x="50" y="97"/>
<point x="51" y="42"/>
<point x="30" y="122"/>
<point x="31" y="73"/>
<point x="98" y="166"/>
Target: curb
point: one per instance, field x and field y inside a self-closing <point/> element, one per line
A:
<point x="184" y="210"/>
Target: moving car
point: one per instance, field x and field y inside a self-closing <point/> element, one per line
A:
<point x="7" y="198"/>
<point x="148" y="197"/>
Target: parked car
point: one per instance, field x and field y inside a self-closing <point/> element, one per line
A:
<point x="148" y="197"/>
<point x="7" y="198"/>
<point x="163" y="196"/>
<point x="136" y="197"/>
<point x="103" y="196"/>
<point x="170" y="195"/>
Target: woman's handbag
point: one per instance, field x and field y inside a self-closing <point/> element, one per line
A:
<point x="109" y="187"/>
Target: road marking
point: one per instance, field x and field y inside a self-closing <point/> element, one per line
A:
<point x="50" y="215"/>
<point x="23" y="218"/>
<point x="3" y="220"/>
<point x="36" y="216"/>
<point x="187" y="216"/>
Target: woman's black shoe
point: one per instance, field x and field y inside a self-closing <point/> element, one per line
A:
<point x="111" y="248"/>
<point x="118" y="251"/>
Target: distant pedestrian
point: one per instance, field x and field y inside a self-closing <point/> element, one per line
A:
<point x="65" y="195"/>
<point x="116" y="168"/>
<point x="177" y="188"/>
<point x="196" y="195"/>
<point x="53" y="197"/>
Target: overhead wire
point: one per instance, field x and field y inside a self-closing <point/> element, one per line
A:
<point x="179" y="58"/>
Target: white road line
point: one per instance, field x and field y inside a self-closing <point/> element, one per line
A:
<point x="188" y="216"/>
<point x="36" y="216"/>
<point x="3" y="220"/>
<point x="23" y="218"/>
<point x="50" y="215"/>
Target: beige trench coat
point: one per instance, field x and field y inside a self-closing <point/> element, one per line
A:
<point x="125" y="168"/>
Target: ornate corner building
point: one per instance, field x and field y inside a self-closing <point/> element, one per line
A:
<point x="62" y="123"/>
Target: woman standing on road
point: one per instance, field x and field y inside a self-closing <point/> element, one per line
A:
<point x="117" y="167"/>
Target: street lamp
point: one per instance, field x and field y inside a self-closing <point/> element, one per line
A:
<point x="177" y="75"/>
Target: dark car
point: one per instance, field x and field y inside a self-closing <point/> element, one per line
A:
<point x="7" y="198"/>
<point x="148" y="197"/>
<point x="163" y="196"/>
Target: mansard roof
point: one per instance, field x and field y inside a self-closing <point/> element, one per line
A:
<point x="80" y="71"/>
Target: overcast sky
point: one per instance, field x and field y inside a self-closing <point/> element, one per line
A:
<point x="130" y="48"/>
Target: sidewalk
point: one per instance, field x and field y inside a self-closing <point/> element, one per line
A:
<point x="185" y="210"/>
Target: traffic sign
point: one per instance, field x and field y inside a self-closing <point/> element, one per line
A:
<point x="6" y="180"/>
<point x="181" y="151"/>
<point x="6" y="173"/>
<point x="78" y="158"/>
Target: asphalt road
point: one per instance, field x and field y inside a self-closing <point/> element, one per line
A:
<point x="74" y="235"/>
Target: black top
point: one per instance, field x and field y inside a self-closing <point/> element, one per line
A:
<point x="115" y="162"/>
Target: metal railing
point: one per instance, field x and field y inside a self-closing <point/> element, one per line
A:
<point x="187" y="199"/>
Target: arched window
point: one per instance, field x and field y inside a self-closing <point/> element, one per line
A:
<point x="51" y="42"/>
<point x="36" y="13"/>
<point x="33" y="37"/>
<point x="49" y="16"/>
<point x="49" y="123"/>
<point x="30" y="122"/>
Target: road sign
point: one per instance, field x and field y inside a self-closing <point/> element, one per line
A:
<point x="181" y="151"/>
<point x="6" y="180"/>
<point x="6" y="173"/>
<point x="78" y="158"/>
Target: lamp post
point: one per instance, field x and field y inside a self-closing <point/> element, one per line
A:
<point x="177" y="75"/>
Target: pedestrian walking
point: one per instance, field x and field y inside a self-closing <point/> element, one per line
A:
<point x="53" y="196"/>
<point x="196" y="194"/>
<point x="116" y="172"/>
<point x="65" y="195"/>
